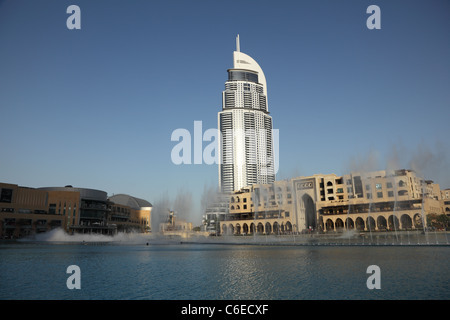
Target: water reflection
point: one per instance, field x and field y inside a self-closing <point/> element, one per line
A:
<point x="38" y="271"/>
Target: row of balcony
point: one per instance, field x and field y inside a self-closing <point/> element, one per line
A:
<point x="371" y="207"/>
<point x="28" y="223"/>
<point x="257" y="215"/>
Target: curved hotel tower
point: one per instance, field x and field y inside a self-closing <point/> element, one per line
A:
<point x="246" y="142"/>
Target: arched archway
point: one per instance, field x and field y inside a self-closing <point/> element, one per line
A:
<point x="245" y="228"/>
<point x="252" y="228"/>
<point x="349" y="224"/>
<point x="360" y="224"/>
<point x="406" y="221"/>
<point x="238" y="229"/>
<point x="370" y="223"/>
<point x="260" y="228"/>
<point x="310" y="211"/>
<point x="381" y="223"/>
<point x="276" y="228"/>
<point x="329" y="225"/>
<point x="224" y="229"/>
<point x="393" y="222"/>
<point x="339" y="224"/>
<point x="230" y="229"/>
<point x="288" y="227"/>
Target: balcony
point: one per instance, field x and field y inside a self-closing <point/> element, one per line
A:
<point x="24" y="223"/>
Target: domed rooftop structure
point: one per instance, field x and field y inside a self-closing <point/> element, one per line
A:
<point x="133" y="202"/>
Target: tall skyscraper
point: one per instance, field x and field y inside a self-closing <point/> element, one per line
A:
<point x="246" y="142"/>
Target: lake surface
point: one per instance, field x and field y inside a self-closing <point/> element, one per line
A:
<point x="141" y="270"/>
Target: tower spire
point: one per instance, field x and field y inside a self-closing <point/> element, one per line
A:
<point x="238" y="47"/>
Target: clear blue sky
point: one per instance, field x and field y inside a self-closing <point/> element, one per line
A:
<point x="96" y="107"/>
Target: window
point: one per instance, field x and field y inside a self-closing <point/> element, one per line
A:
<point x="340" y="190"/>
<point x="380" y="194"/>
<point x="52" y="208"/>
<point x="378" y="186"/>
<point x="389" y="184"/>
<point x="358" y="185"/>
<point x="6" y="195"/>
<point x="369" y="196"/>
<point x="390" y="193"/>
<point x="368" y="187"/>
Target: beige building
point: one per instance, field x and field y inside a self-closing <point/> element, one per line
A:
<point x="371" y="201"/>
<point x="262" y="209"/>
<point x="445" y="201"/>
<point x="130" y="213"/>
<point x="25" y="211"/>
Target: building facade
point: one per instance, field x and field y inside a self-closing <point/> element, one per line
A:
<point x="371" y="201"/>
<point x="25" y="211"/>
<point x="130" y="213"/>
<point x="246" y="154"/>
<point x="261" y="209"/>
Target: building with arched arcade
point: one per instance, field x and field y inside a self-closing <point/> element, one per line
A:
<point x="364" y="201"/>
<point x="262" y="209"/>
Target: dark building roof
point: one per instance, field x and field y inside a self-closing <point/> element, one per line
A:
<point x="85" y="193"/>
<point x="126" y="200"/>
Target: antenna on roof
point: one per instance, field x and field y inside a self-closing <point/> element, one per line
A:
<point x="238" y="47"/>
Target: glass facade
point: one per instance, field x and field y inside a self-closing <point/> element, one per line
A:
<point x="235" y="75"/>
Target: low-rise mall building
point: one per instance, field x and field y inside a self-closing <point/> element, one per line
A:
<point x="24" y="211"/>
